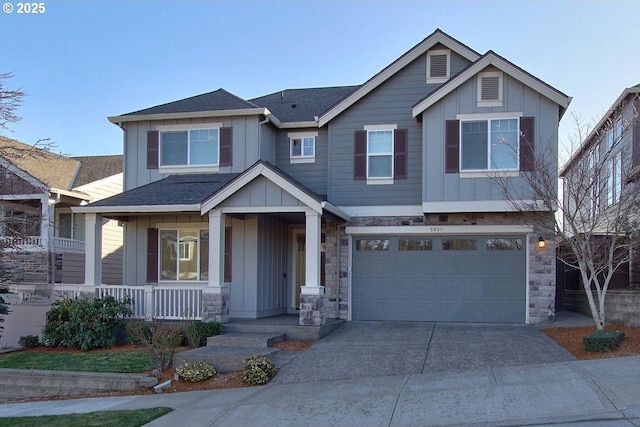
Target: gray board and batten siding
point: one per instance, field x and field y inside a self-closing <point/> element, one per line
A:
<point x="390" y="103"/>
<point x="245" y="136"/>
<point x="517" y="98"/>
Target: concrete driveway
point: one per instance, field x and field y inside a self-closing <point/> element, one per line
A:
<point x="371" y="349"/>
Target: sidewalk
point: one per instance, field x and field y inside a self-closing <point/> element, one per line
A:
<point x="606" y="391"/>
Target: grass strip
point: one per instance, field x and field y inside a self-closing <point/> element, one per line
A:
<point x="127" y="418"/>
<point x="127" y="361"/>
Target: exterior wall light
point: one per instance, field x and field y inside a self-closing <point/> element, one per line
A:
<point x="541" y="243"/>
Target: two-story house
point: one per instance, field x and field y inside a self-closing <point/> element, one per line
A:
<point x="606" y="165"/>
<point x="368" y="202"/>
<point x="41" y="239"/>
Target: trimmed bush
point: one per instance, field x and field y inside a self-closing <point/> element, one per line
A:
<point x="29" y="341"/>
<point x="258" y="370"/>
<point x="85" y="323"/>
<point x="197" y="332"/>
<point x="195" y="372"/>
<point x="603" y="341"/>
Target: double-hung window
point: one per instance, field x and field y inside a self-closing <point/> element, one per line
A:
<point x="302" y="147"/>
<point x="491" y="144"/>
<point x="380" y="154"/>
<point x="614" y="179"/>
<point x="191" y="147"/>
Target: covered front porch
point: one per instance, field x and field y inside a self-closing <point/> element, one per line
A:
<point x="251" y="248"/>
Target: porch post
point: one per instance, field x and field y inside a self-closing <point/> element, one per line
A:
<point x="312" y="294"/>
<point x="46" y="222"/>
<point x="215" y="297"/>
<point x="92" y="251"/>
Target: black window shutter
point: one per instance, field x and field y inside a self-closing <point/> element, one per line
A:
<point x="152" y="149"/>
<point x="452" y="146"/>
<point x="152" y="255"/>
<point x="400" y="153"/>
<point x="227" y="254"/>
<point x="226" y="146"/>
<point x="527" y="144"/>
<point x="360" y="155"/>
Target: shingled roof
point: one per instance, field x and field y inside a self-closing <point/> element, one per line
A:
<point x="94" y="168"/>
<point x="211" y="101"/>
<point x="54" y="170"/>
<point x="302" y="105"/>
<point x="173" y="190"/>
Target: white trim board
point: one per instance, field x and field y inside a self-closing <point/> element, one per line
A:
<point x="410" y="230"/>
<point x="474" y="206"/>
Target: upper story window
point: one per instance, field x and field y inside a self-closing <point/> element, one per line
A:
<point x="202" y="147"/>
<point x="190" y="147"/>
<point x="490" y="144"/>
<point x="438" y="65"/>
<point x="490" y="89"/>
<point x="380" y="154"/>
<point x="614" y="179"/>
<point x="614" y="133"/>
<point x="302" y="147"/>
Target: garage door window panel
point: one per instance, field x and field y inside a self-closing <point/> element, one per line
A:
<point x="502" y="244"/>
<point x="459" y="245"/>
<point x="415" y="244"/>
<point x="372" y="245"/>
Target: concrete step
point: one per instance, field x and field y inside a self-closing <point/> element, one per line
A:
<point x="252" y="340"/>
<point x="223" y="359"/>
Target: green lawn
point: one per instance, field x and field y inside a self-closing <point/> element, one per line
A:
<point x="130" y="418"/>
<point x="92" y="361"/>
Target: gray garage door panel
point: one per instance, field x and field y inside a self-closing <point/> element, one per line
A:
<point x="478" y="285"/>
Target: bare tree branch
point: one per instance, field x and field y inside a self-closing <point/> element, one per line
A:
<point x="10" y="101"/>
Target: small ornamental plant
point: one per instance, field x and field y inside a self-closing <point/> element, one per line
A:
<point x="195" y="372"/>
<point x="258" y="370"/>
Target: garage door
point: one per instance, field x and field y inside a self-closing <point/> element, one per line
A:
<point x="444" y="278"/>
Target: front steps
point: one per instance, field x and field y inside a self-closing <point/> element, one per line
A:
<point x="228" y="351"/>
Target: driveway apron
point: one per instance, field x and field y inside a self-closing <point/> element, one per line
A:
<point x="361" y="349"/>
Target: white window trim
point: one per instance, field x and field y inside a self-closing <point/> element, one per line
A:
<point x="302" y="158"/>
<point x="381" y="180"/>
<point x="483" y="173"/>
<point x="187" y="168"/>
<point x="177" y="227"/>
<point x="430" y="53"/>
<point x="490" y="103"/>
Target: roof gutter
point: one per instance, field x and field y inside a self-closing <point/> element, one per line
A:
<point x="118" y="120"/>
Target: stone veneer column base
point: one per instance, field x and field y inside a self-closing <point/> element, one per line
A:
<point x="313" y="310"/>
<point x="215" y="307"/>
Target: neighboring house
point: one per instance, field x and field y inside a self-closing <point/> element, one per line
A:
<point x="42" y="240"/>
<point x="368" y="202"/>
<point x="610" y="158"/>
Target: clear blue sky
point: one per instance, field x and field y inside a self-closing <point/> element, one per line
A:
<point x="81" y="61"/>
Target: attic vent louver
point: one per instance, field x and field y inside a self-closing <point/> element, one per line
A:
<point x="490" y="88"/>
<point x="438" y="65"/>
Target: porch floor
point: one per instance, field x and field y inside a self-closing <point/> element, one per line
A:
<point x="284" y="324"/>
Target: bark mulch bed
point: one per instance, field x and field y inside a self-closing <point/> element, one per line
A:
<point x="571" y="339"/>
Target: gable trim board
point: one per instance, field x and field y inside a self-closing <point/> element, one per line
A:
<point x="20" y="173"/>
<point x="491" y="58"/>
<point x="436" y="37"/>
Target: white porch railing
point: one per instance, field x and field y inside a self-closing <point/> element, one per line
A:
<point x="36" y="243"/>
<point x="151" y="301"/>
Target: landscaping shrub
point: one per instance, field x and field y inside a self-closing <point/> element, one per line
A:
<point x="195" y="372"/>
<point x="85" y="323"/>
<point x="603" y="340"/>
<point x="161" y="339"/>
<point x="258" y="370"/>
<point x="138" y="333"/>
<point x="197" y="332"/>
<point x="29" y="341"/>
